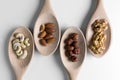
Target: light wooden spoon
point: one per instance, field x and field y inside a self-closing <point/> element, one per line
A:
<point x="99" y="14"/>
<point x="73" y="67"/>
<point x="20" y="65"/>
<point x="46" y="16"/>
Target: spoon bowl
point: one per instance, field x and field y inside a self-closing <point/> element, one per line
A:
<point x="99" y="14"/>
<point x="20" y="65"/>
<point x="46" y="16"/>
<point x="73" y="67"/>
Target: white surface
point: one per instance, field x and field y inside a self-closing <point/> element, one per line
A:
<point x="14" y="13"/>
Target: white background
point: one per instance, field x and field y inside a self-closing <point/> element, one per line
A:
<point x="15" y="13"/>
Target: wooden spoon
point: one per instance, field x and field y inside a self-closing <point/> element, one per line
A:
<point x="99" y="14"/>
<point x="20" y="65"/>
<point x="46" y="16"/>
<point x="73" y="67"/>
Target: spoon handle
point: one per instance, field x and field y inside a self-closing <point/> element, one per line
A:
<point x="47" y="3"/>
<point x="18" y="79"/>
<point x="46" y="6"/>
<point x="73" y="76"/>
<point x="100" y="3"/>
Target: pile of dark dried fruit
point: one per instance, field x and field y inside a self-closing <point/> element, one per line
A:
<point x="47" y="34"/>
<point x="72" y="48"/>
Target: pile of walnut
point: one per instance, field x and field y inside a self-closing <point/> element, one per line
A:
<point x="46" y="34"/>
<point x="98" y="38"/>
<point x="19" y="45"/>
<point x="72" y="47"/>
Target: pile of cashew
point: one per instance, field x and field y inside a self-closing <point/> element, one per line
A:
<point x="19" y="44"/>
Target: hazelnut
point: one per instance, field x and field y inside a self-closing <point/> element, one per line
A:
<point x="73" y="58"/>
<point x="76" y="44"/>
<point x="69" y="53"/>
<point x="68" y="41"/>
<point x="69" y="48"/>
<point x="75" y="36"/>
<point x="76" y="51"/>
<point x="72" y="47"/>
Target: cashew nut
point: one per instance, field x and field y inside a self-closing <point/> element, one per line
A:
<point x="16" y="45"/>
<point x="15" y="41"/>
<point x="20" y="36"/>
<point x="23" y="45"/>
<point x="24" y="55"/>
<point x="19" y="44"/>
<point x="27" y="42"/>
<point x="18" y="49"/>
<point x="19" y="53"/>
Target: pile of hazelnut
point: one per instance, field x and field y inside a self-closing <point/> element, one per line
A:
<point x="46" y="34"/>
<point x="72" y="48"/>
